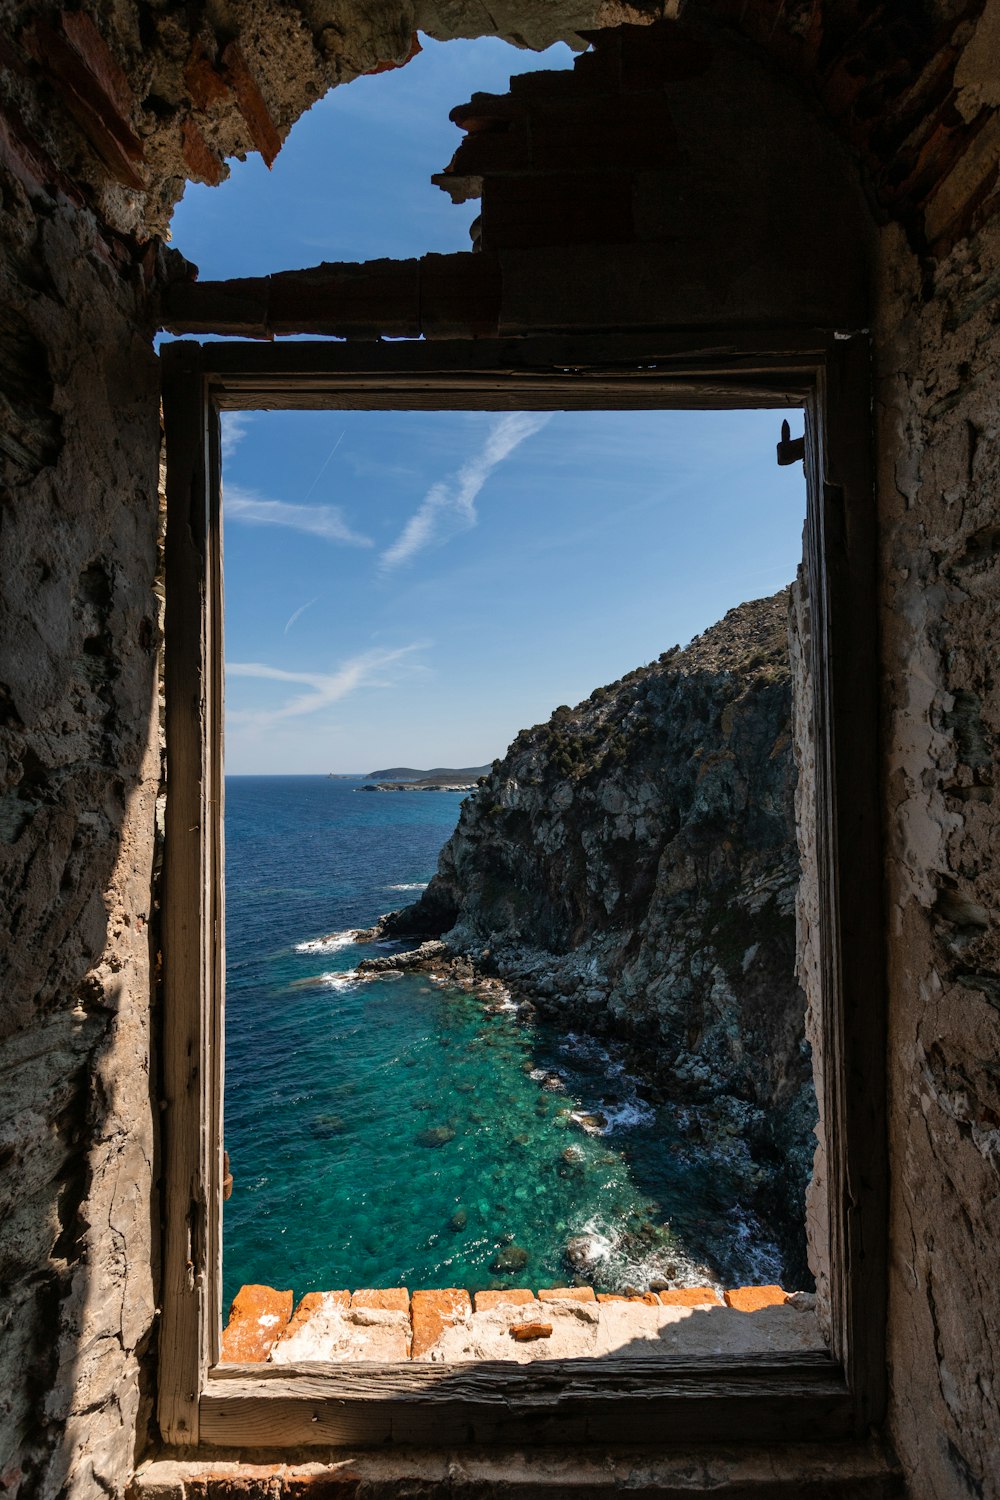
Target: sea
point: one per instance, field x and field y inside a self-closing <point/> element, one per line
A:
<point x="396" y="1131"/>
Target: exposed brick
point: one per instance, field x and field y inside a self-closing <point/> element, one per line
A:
<point x="691" y="1296"/>
<point x="752" y="1298"/>
<point x="256" y="1319"/>
<point x="516" y="1297"/>
<point x="431" y="1312"/>
<point x="204" y="82"/>
<point x="250" y="102"/>
<point x="309" y="1304"/>
<point x="390" y="1298"/>
<point x="389" y="67"/>
<point x="84" y="96"/>
<point x="85" y="38"/>
<point x="567" y="1294"/>
<point x="203" y="162"/>
<point x="526" y="1333"/>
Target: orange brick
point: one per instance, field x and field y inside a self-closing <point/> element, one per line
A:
<point x="431" y="1312"/>
<point x="691" y="1296"/>
<point x="256" y="1319"/>
<point x="567" y="1294"/>
<point x="390" y="1298"/>
<point x="611" y="1297"/>
<point x="517" y="1297"/>
<point x="524" y="1333"/>
<point x="311" y="1303"/>
<point x="753" y="1298"/>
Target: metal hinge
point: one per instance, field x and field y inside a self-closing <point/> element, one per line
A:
<point x="790" y="450"/>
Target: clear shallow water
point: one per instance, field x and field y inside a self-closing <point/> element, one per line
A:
<point x="395" y="1132"/>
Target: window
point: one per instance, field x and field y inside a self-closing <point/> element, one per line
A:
<point x="763" y="1397"/>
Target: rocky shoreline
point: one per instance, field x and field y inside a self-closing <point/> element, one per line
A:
<point x="629" y="870"/>
<point x="418" y="786"/>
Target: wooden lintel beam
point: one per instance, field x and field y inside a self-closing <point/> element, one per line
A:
<point x="439" y="296"/>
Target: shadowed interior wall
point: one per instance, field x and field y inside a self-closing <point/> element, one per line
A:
<point x="103" y="118"/>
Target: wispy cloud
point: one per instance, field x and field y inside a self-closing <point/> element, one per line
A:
<point x="326" y="521"/>
<point x="450" y="506"/>
<point x="298" y="613"/>
<point x="370" y="669"/>
<point x="234" y="429"/>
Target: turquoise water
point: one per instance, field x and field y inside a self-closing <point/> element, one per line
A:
<point x="396" y="1132"/>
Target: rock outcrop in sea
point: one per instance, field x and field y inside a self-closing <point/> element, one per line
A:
<point x="630" y="868"/>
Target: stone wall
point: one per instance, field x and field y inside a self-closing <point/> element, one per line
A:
<point x="96" y="139"/>
<point x="939" y="476"/>
<point x="79" y="637"/>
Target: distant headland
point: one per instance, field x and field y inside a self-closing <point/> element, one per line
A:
<point x="440" y="779"/>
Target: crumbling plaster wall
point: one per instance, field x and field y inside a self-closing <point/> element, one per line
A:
<point x="938" y="422"/>
<point x="79" y="636"/>
<point x="78" y="643"/>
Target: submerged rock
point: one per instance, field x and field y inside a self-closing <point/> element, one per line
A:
<point x="630" y="867"/>
<point x="436" y="1135"/>
<point x="511" y="1258"/>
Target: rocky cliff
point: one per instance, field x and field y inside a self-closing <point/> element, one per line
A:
<point x="631" y="867"/>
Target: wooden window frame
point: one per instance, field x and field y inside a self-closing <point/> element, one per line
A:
<point x="612" y="1401"/>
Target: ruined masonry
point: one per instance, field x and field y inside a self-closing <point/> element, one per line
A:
<point x="800" y="165"/>
<point x="450" y="1327"/>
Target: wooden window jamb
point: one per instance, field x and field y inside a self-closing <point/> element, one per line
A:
<point x="773" y="1397"/>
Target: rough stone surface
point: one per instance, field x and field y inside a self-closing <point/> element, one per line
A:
<point x="310" y="1304"/>
<point x="517" y="1296"/>
<point x="726" y="1471"/>
<point x="257" y="1319"/>
<point x="393" y="1298"/>
<point x="631" y="866"/>
<point x="749" y="1299"/>
<point x="690" y="1296"/>
<point x="939" y="475"/>
<point x="910" y="88"/>
<point x="430" y="1314"/>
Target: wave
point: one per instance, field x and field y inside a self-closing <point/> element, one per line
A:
<point x="350" y="979"/>
<point x="607" y="1250"/>
<point x="413" y="885"/>
<point x="329" y="944"/>
<point x="343" y="979"/>
<point x="627" y="1114"/>
<point x="762" y="1257"/>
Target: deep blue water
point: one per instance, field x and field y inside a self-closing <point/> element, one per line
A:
<point x="393" y="1131"/>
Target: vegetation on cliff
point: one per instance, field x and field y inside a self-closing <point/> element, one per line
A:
<point x="631" y="867"/>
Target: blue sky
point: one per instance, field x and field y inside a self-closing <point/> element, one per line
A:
<point x="414" y="587"/>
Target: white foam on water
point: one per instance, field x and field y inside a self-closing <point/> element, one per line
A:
<point x="413" y="885"/>
<point x="627" y="1115"/>
<point x="621" y="1265"/>
<point x="505" y="1003"/>
<point x="581" y="1117"/>
<point x="764" y="1259"/>
<point x="344" y="979"/>
<point x="329" y="944"/>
